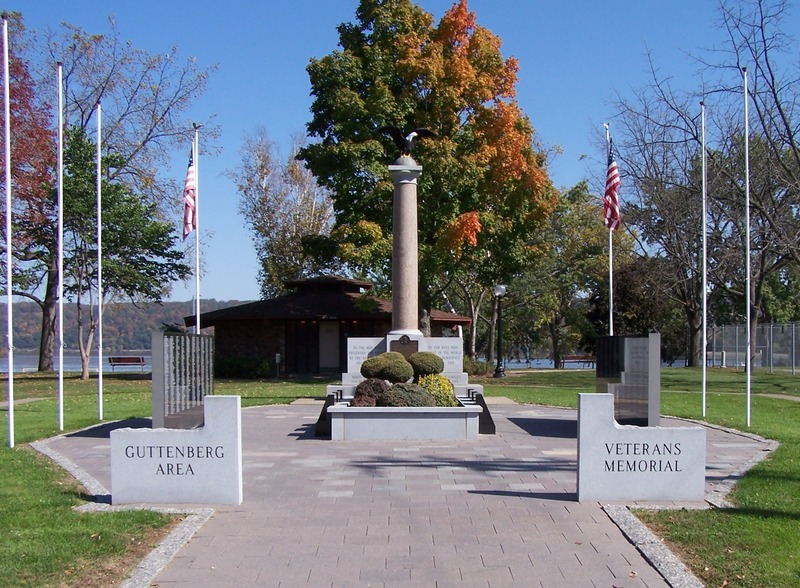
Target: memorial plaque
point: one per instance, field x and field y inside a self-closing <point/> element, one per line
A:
<point x="360" y="348"/>
<point x="450" y="349"/>
<point x="404" y="345"/>
<point x="630" y="369"/>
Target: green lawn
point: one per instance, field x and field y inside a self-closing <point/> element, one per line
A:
<point x="755" y="544"/>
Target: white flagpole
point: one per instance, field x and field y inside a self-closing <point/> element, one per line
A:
<point x="705" y="258"/>
<point x="610" y="257"/>
<point x="9" y="261"/>
<point x="748" y="360"/>
<point x="60" y="248"/>
<point x="196" y="148"/>
<point x="99" y="264"/>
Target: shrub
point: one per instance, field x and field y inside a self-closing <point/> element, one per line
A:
<point x="425" y="363"/>
<point x="391" y="366"/>
<point x="363" y="401"/>
<point x="248" y="368"/>
<point x="373" y="366"/>
<point x="370" y="388"/>
<point x="406" y="395"/>
<point x="440" y="388"/>
<point x="397" y="370"/>
<point x="475" y="367"/>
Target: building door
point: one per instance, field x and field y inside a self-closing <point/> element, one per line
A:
<point x="302" y="347"/>
<point x="329" y="346"/>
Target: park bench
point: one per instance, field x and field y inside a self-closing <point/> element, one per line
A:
<point x="126" y="360"/>
<point x="578" y="359"/>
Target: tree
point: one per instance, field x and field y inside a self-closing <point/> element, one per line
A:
<point x="32" y="173"/>
<point x="484" y="179"/>
<point x="576" y="256"/>
<point x="282" y="205"/>
<point x="661" y="152"/>
<point x="139" y="253"/>
<point x="640" y="306"/>
<point x="144" y="99"/>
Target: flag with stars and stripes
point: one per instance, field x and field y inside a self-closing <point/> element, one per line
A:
<point x="611" y="198"/>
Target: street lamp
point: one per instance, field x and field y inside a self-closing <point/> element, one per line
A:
<point x="500" y="291"/>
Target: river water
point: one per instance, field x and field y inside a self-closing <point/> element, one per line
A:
<point x="29" y="362"/>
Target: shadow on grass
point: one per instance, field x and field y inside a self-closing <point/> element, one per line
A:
<point x="761" y="513"/>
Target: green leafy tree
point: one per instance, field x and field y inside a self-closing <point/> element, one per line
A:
<point x="145" y="97"/>
<point x="484" y="192"/>
<point x="139" y="252"/>
<point x="550" y="297"/>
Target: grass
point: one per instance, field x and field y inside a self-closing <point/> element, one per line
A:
<point x="46" y="543"/>
<point x="756" y="544"/>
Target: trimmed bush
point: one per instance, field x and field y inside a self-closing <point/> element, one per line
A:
<point x="440" y="388"/>
<point x="397" y="371"/>
<point x="373" y="366"/>
<point x="406" y="395"/>
<point x="391" y="366"/>
<point x="366" y="401"/>
<point x="425" y="363"/>
<point x="370" y="388"/>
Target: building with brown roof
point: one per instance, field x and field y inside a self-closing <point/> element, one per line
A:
<point x="309" y="326"/>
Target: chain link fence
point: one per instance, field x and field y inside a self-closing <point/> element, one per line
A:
<point x="776" y="347"/>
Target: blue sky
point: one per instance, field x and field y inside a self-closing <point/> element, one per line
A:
<point x="574" y="55"/>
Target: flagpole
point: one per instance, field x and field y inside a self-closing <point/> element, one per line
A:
<point x="610" y="256"/>
<point x="748" y="360"/>
<point x="196" y="157"/>
<point x="60" y="248"/>
<point x="705" y="258"/>
<point x="99" y="263"/>
<point x="9" y="261"/>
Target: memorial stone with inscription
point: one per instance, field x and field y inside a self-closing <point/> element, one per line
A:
<point x="175" y="466"/>
<point x="625" y="462"/>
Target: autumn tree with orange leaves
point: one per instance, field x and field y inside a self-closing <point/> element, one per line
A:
<point x="484" y="191"/>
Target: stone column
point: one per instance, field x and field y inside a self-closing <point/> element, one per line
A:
<point x="405" y="270"/>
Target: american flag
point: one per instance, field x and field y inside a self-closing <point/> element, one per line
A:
<point x="189" y="195"/>
<point x="611" y="198"/>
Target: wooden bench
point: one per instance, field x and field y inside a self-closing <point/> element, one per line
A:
<point x="577" y="359"/>
<point x="126" y="360"/>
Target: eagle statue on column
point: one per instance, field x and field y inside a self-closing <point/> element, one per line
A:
<point x="406" y="142"/>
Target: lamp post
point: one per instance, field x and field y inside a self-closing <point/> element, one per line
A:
<point x="500" y="291"/>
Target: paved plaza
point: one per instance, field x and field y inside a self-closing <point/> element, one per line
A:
<point x="499" y="511"/>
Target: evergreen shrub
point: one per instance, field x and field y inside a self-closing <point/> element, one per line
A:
<point x="425" y="363"/>
<point x="403" y="394"/>
<point x="391" y="366"/>
<point x="367" y="392"/>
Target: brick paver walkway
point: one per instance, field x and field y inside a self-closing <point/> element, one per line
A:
<point x="500" y="511"/>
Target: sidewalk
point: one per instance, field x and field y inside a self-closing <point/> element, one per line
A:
<point x="500" y="511"/>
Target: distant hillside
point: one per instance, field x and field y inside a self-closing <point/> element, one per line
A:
<point x="125" y="326"/>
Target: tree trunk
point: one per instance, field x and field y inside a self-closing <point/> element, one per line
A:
<point x="696" y="354"/>
<point x="48" y="304"/>
<point x="555" y="341"/>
